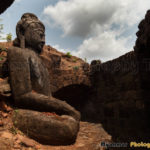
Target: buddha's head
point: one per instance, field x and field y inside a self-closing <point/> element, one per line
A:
<point x="30" y="32"/>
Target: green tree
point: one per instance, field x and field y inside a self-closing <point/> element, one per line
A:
<point x="1" y="29"/>
<point x="68" y="54"/>
<point x="9" y="37"/>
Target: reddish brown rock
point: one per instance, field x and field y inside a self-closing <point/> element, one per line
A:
<point x="27" y="142"/>
<point x="6" y="144"/>
<point x="64" y="71"/>
<point x="1" y="123"/>
<point x="6" y="135"/>
<point x="5" y="90"/>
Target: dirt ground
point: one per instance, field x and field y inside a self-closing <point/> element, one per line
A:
<point x="89" y="137"/>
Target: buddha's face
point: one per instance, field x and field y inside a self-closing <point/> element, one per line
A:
<point x="35" y="38"/>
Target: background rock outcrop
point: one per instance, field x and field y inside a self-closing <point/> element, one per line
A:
<point x="5" y="4"/>
<point x="143" y="35"/>
<point x="65" y="71"/>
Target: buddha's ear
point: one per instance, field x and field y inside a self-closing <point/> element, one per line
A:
<point x="20" y="34"/>
<point x="22" y="42"/>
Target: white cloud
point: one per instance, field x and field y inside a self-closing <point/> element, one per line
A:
<point x="101" y="24"/>
<point x="78" y="17"/>
<point x="17" y="1"/>
<point x="131" y="11"/>
<point x="104" y="46"/>
<point x="60" y="49"/>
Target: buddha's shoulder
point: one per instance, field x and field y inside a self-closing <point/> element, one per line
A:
<point x="21" y="52"/>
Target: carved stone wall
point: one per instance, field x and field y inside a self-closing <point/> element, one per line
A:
<point x="116" y="100"/>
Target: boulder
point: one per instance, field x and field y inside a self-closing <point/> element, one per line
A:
<point x="5" y="91"/>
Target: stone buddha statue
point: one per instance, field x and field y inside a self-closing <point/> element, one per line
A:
<point x="30" y="85"/>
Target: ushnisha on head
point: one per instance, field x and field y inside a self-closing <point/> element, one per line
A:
<point x="30" y="33"/>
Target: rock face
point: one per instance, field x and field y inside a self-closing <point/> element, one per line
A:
<point x="4" y="5"/>
<point x="65" y="71"/>
<point x="142" y="50"/>
<point x="117" y="98"/>
<point x="143" y="35"/>
<point x="5" y="90"/>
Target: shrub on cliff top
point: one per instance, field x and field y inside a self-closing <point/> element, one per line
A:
<point x="68" y="54"/>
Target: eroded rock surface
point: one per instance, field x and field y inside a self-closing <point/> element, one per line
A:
<point x="142" y="44"/>
<point x="64" y="70"/>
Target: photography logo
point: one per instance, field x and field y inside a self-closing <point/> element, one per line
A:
<point x="110" y="145"/>
<point x="141" y="144"/>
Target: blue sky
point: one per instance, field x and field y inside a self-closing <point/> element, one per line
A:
<point x="89" y="29"/>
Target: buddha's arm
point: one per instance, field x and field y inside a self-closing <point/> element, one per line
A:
<point x="22" y="88"/>
<point x="36" y="101"/>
